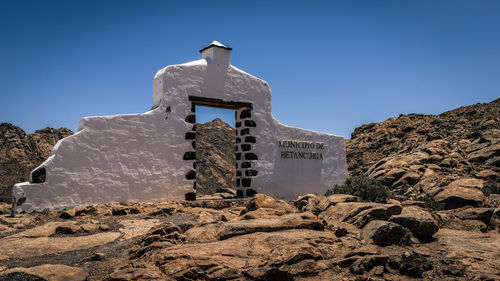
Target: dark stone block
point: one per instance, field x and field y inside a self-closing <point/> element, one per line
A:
<point x="190" y="135"/>
<point x="245" y="131"/>
<point x="245" y="114"/>
<point x="250" y="192"/>
<point x="236" y="165"/>
<point x="191" y="175"/>
<point x="190" y="155"/>
<point x="191" y="118"/>
<point x="239" y="193"/>
<point x="39" y="175"/>
<point x="238" y="156"/>
<point x="238" y="182"/>
<point x="251" y="173"/>
<point x="194" y="128"/>
<point x="194" y="185"/>
<point x="193" y="144"/>
<point x="190" y="196"/>
<point x="238" y="124"/>
<point x="236" y="147"/>
<point x="250" y="123"/>
<point x="250" y="156"/>
<point x="194" y="165"/>
<point x="193" y="107"/>
<point x="250" y="139"/>
<point x="246" y="165"/>
<point x="246" y="147"/>
<point x="238" y="140"/>
<point x="246" y="182"/>
<point x="238" y="173"/>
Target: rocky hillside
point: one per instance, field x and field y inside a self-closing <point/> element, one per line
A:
<point x="20" y="153"/>
<point x="451" y="157"/>
<point x="215" y="154"/>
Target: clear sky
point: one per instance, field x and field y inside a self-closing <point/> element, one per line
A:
<point x="331" y="65"/>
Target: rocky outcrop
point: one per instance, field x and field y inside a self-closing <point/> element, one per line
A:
<point x="420" y="222"/>
<point x="20" y="153"/>
<point x="217" y="240"/>
<point x="386" y="233"/>
<point x="420" y="156"/>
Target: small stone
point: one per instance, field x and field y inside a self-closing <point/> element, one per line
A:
<point x="341" y="231"/>
<point x="119" y="211"/>
<point x="378" y="270"/>
<point x="68" y="214"/>
<point x="89" y="227"/>
<point x="104" y="227"/>
<point x="67" y="228"/>
<point x="135" y="210"/>
<point x="96" y="257"/>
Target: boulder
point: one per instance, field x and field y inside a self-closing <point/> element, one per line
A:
<point x="410" y="178"/>
<point x="224" y="230"/>
<point x="382" y="212"/>
<point x="50" y="272"/>
<point x="418" y="221"/>
<point x="89" y="227"/>
<point x="263" y="213"/>
<point x="67" y="228"/>
<point x="487" y="174"/>
<point x="366" y="264"/>
<point x="386" y="233"/>
<point x="308" y="203"/>
<point x="480" y="214"/>
<point x="360" y="213"/>
<point x="461" y="192"/>
<point x="334" y="199"/>
<point x="391" y="176"/>
<point x="119" y="211"/>
<point x="480" y="156"/>
<point x="264" y="201"/>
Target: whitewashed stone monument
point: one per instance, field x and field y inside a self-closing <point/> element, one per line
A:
<point x="152" y="155"/>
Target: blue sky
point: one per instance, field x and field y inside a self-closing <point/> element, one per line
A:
<point x="331" y="65"/>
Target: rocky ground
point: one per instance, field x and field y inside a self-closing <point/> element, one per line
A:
<point x="311" y="238"/>
<point x="20" y="153"/>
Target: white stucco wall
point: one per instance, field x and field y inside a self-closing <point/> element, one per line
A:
<point x="140" y="156"/>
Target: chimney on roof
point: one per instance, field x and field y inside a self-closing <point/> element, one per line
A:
<point x="216" y="54"/>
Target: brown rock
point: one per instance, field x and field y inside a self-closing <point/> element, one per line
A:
<point x="386" y="233"/>
<point x="487" y="174"/>
<point x="334" y="199"/>
<point x="264" y="201"/>
<point x="484" y="154"/>
<point x="225" y="230"/>
<point x="67" y="228"/>
<point x="461" y="193"/>
<point x="52" y="272"/>
<point x="409" y="178"/>
<point x="104" y="227"/>
<point x="119" y="211"/>
<point x="419" y="222"/>
<point x="89" y="227"/>
<point x="360" y="213"/>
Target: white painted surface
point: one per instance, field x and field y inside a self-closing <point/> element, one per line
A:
<point x="140" y="156"/>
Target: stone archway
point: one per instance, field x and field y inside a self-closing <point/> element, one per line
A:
<point x="245" y="143"/>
